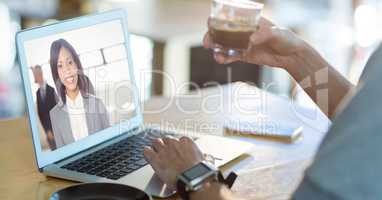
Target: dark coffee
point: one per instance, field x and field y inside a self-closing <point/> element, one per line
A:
<point x="231" y="39"/>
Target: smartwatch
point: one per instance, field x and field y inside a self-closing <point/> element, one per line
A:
<point x="194" y="178"/>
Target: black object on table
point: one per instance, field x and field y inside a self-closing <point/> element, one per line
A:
<point x="100" y="191"/>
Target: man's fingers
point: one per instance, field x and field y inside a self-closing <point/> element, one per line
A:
<point x="175" y="147"/>
<point x="172" y="144"/>
<point x="262" y="35"/>
<point x="170" y="141"/>
<point x="187" y="146"/>
<point x="158" y="145"/>
<point x="185" y="140"/>
<point x="222" y="58"/>
<point x="206" y="40"/>
<point x="191" y="150"/>
<point x="219" y="58"/>
<point x="149" y="153"/>
<point x="151" y="157"/>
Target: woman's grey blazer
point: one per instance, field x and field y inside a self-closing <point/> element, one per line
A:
<point x="97" y="119"/>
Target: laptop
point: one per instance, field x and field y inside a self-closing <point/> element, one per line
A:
<point x="84" y="105"/>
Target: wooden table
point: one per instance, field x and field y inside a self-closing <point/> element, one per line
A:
<point x="271" y="171"/>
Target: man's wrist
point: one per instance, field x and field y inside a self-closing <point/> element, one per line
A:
<point x="303" y="51"/>
<point x="305" y="62"/>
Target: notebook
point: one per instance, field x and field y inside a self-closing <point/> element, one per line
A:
<point x="265" y="129"/>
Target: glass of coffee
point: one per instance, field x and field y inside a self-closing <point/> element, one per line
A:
<point x="232" y="23"/>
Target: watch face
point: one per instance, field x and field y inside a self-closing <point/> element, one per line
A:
<point x="196" y="171"/>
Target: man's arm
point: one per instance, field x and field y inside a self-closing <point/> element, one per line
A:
<point x="277" y="47"/>
<point x="325" y="85"/>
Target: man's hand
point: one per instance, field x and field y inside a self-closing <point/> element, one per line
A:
<point x="277" y="47"/>
<point x="269" y="45"/>
<point x="169" y="157"/>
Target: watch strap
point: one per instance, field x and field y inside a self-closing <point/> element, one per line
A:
<point x="227" y="181"/>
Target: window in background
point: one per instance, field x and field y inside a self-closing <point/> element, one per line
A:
<point x="9" y="26"/>
<point x="331" y="33"/>
<point x="141" y="48"/>
<point x="142" y="55"/>
<point x="34" y="8"/>
<point x="12" y="102"/>
<point x="11" y="95"/>
<point x="92" y="58"/>
<point x="346" y="34"/>
<point x="327" y="26"/>
<point x="368" y="33"/>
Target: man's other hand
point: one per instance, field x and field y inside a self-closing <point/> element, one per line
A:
<point x="169" y="157"/>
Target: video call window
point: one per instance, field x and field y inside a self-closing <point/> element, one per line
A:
<point x="80" y="82"/>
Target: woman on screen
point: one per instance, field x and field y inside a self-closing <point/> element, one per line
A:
<point x="78" y="113"/>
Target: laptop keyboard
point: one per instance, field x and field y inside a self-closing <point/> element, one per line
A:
<point x="116" y="160"/>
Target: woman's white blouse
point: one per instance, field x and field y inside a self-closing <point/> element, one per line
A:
<point x="77" y="117"/>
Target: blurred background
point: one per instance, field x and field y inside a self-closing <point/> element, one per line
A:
<point x="167" y="37"/>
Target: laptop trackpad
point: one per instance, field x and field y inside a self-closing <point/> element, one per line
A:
<point x="156" y="188"/>
<point x="145" y="179"/>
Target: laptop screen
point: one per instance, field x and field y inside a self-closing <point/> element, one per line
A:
<point x="80" y="82"/>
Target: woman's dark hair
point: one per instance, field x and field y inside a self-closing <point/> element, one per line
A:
<point x="83" y="82"/>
